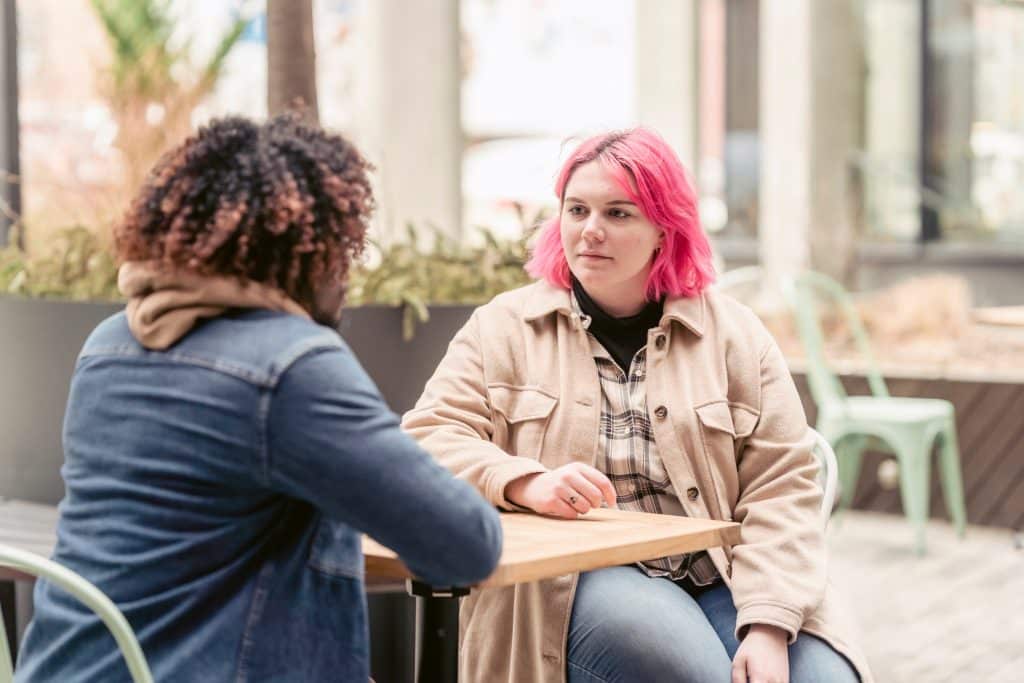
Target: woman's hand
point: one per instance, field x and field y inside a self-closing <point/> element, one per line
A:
<point x="763" y="656"/>
<point x="569" y="491"/>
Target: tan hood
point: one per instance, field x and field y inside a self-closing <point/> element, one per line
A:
<point x="164" y="305"/>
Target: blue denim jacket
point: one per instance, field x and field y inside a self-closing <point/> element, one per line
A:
<point x="217" y="492"/>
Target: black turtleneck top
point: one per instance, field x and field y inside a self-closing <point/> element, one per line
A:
<point x="621" y="337"/>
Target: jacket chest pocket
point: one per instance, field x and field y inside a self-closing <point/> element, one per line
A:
<point x="521" y="416"/>
<point x="723" y="429"/>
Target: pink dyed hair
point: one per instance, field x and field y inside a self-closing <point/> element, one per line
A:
<point x="652" y="176"/>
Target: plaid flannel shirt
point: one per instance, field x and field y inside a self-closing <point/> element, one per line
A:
<point x="628" y="455"/>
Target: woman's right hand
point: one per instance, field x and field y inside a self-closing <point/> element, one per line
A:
<point x="569" y="491"/>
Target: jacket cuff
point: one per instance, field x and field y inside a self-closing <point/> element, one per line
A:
<point x="771" y="613"/>
<point x="502" y="475"/>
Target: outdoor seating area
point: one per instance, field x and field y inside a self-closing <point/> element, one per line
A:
<point x="868" y="561"/>
<point x="490" y="341"/>
<point x="950" y="615"/>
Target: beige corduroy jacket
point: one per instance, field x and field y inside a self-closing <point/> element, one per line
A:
<point x="517" y="392"/>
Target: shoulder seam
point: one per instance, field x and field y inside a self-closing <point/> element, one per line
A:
<point x="319" y="342"/>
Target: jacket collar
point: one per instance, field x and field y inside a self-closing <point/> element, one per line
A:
<point x="547" y="299"/>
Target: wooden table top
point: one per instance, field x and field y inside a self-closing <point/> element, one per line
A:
<point x="27" y="526"/>
<point x="535" y="548"/>
<point x="539" y="547"/>
<point x="1011" y="316"/>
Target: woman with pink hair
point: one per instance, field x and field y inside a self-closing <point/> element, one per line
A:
<point x="620" y="379"/>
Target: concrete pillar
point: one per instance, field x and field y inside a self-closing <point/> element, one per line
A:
<point x="667" y="43"/>
<point x="408" y="119"/>
<point x="811" y="112"/>
<point x="785" y="167"/>
<point x="837" y="122"/>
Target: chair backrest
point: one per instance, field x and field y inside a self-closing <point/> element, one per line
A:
<point x="828" y="474"/>
<point x="804" y="292"/>
<point x="90" y="596"/>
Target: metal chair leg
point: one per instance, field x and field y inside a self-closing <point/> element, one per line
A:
<point x="6" y="654"/>
<point x="951" y="479"/>
<point x="8" y="626"/>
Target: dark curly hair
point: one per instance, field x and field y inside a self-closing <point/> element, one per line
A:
<point x="282" y="203"/>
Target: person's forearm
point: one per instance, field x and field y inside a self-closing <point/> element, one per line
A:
<point x="333" y="442"/>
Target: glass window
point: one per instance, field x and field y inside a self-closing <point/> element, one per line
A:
<point x="993" y="170"/>
<point x="887" y="165"/>
<point x="943" y="154"/>
<point x="728" y="170"/>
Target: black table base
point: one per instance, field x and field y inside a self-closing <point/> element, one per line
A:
<point x="8" y="612"/>
<point x="439" y="632"/>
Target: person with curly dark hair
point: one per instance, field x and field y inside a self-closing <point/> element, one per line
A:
<point x="224" y="450"/>
<point x="282" y="204"/>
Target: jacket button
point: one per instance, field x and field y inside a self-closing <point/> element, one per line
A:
<point x="659" y="341"/>
<point x="692" y="493"/>
<point x="661" y="412"/>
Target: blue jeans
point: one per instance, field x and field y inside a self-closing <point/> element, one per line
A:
<point x="629" y="627"/>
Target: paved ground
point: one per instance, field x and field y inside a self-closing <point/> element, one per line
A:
<point x="956" y="614"/>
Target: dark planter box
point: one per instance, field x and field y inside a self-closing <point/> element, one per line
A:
<point x="400" y="368"/>
<point x="40" y="340"/>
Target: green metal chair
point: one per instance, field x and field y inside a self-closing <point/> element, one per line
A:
<point x="906" y="427"/>
<point x="91" y="596"/>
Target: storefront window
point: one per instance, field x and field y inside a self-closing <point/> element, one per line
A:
<point x="994" y="167"/>
<point x="728" y="170"/>
<point x="943" y="154"/>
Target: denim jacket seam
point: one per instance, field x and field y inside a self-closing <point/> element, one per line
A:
<point x="232" y="369"/>
<point x="259" y="601"/>
<point x="296" y="352"/>
<point x="263" y="438"/>
<point x="277" y="371"/>
<point x="335" y="570"/>
<point x="111" y="350"/>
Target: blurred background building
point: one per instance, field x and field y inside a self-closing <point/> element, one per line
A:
<point x="872" y="139"/>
